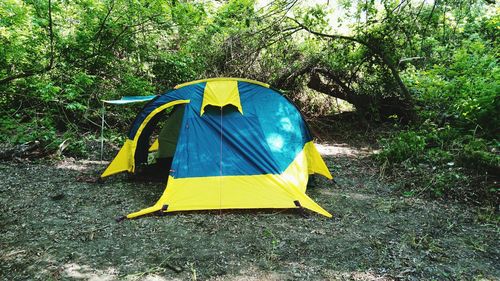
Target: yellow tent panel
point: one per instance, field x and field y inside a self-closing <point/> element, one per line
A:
<point x="240" y="192"/>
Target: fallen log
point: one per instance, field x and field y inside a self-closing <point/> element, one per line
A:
<point x="19" y="150"/>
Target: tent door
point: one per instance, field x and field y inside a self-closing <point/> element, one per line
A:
<point x="169" y="127"/>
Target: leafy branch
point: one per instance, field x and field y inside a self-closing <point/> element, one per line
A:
<point x="50" y="66"/>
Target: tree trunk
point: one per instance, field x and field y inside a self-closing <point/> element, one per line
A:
<point x="406" y="101"/>
<point x="369" y="106"/>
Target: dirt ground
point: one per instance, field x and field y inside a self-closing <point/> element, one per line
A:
<point x="56" y="224"/>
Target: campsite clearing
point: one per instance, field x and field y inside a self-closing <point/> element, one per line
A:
<point x="55" y="223"/>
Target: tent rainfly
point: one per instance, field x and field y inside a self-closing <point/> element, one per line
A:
<point x="238" y="144"/>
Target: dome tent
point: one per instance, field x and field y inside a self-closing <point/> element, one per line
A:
<point x="240" y="145"/>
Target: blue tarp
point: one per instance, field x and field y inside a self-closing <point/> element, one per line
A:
<point x="130" y="99"/>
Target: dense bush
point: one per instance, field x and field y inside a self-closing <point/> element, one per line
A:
<point x="465" y="92"/>
<point x="58" y="61"/>
<point x="454" y="145"/>
<point x="404" y="146"/>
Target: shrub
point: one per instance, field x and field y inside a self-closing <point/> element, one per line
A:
<point x="401" y="147"/>
<point x="481" y="155"/>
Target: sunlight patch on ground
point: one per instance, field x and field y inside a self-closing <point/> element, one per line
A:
<point x="355" y="275"/>
<point x="154" y="277"/>
<point x="251" y="274"/>
<point x="76" y="271"/>
<point x="78" y="165"/>
<point x="342" y="149"/>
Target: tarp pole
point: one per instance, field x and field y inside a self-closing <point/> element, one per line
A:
<point x="102" y="129"/>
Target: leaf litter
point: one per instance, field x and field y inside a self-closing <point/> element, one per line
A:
<point x="58" y="223"/>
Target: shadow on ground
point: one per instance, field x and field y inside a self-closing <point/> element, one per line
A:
<point x="56" y="224"/>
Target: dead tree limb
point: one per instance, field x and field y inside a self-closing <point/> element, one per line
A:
<point x="405" y="93"/>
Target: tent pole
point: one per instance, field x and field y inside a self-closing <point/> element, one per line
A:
<point x="102" y="129"/>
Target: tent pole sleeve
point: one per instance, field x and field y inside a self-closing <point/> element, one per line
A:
<point x="102" y="129"/>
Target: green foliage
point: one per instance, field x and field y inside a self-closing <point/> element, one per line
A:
<point x="446" y="182"/>
<point x="446" y="54"/>
<point x="464" y="92"/>
<point x="42" y="129"/>
<point x="454" y="149"/>
<point x="435" y="158"/>
<point x="315" y="16"/>
<point x="101" y="50"/>
<point x="480" y="154"/>
<point x="406" y="145"/>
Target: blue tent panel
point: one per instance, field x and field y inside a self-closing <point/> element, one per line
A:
<point x="263" y="140"/>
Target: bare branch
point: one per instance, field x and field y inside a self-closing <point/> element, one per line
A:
<point x="410" y="59"/>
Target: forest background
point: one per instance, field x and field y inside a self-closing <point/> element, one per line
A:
<point x="420" y="78"/>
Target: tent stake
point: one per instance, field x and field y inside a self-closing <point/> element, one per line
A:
<point x="162" y="211"/>
<point x="300" y="209"/>
<point x="120" y="218"/>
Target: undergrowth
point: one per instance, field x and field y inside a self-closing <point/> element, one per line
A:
<point x="442" y="162"/>
<point x="453" y="151"/>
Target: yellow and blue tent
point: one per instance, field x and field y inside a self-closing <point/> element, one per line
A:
<point x="240" y="145"/>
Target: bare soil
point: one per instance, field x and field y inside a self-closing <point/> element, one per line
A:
<point x="57" y="224"/>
